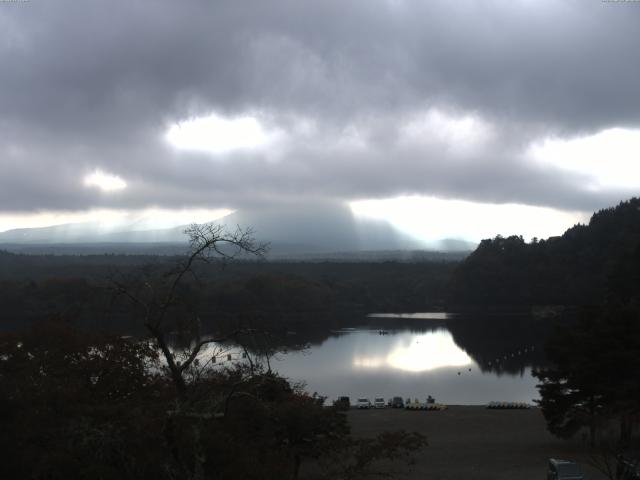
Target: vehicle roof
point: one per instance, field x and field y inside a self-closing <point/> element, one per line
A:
<point x="565" y="467"/>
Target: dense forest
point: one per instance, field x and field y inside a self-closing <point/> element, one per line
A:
<point x="578" y="268"/>
<point x="573" y="269"/>
<point x="36" y="287"/>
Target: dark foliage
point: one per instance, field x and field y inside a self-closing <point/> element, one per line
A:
<point x="573" y="269"/>
<point x="290" y="295"/>
<point x="594" y="378"/>
<point x="88" y="406"/>
<point x="77" y="405"/>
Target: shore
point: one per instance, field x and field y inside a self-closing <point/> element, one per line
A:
<point x="472" y="442"/>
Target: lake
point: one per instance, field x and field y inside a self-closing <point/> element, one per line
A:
<point x="415" y="355"/>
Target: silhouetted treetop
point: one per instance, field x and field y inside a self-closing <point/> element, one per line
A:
<point x="575" y="268"/>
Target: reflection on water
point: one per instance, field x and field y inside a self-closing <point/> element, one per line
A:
<point x="465" y="360"/>
<point x="413" y="352"/>
<point x="405" y="362"/>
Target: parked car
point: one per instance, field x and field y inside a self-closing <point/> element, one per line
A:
<point x="563" y="470"/>
<point x="628" y="468"/>
<point x="397" y="402"/>
<point x="342" y="403"/>
<point x="379" y="402"/>
<point x="363" y="403"/>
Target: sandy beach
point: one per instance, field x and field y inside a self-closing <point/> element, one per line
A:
<point x="472" y="442"/>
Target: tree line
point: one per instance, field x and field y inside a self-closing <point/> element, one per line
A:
<point x="573" y="269"/>
<point x="78" y="288"/>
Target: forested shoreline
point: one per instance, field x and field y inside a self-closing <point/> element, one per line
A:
<point x="579" y="268"/>
<point x="81" y="288"/>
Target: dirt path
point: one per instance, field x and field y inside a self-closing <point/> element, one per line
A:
<point x="470" y="442"/>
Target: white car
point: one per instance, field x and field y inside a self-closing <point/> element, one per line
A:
<point x="379" y="402"/>
<point x="363" y="403"/>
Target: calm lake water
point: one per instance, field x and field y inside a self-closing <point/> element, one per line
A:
<point x="408" y="361"/>
<point x="457" y="360"/>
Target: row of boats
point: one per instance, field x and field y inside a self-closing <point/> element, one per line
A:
<point x="425" y="406"/>
<point x="508" y="405"/>
<point x="415" y="404"/>
<point x="395" y="402"/>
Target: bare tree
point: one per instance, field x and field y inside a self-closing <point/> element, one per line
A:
<point x="207" y="242"/>
<point x="156" y="298"/>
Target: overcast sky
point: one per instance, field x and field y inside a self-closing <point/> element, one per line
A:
<point x="447" y="118"/>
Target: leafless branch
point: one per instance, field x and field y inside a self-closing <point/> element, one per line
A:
<point x="206" y="241"/>
<point x="195" y="351"/>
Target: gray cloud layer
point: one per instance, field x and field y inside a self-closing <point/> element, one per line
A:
<point x="94" y="84"/>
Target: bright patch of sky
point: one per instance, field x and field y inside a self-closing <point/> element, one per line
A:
<point x="432" y="219"/>
<point x="105" y="181"/>
<point x="218" y="135"/>
<point x="610" y="157"/>
<point x="460" y="133"/>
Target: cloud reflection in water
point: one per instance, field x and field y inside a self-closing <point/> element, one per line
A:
<point x="417" y="353"/>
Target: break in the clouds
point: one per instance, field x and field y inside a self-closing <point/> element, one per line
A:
<point x="127" y="106"/>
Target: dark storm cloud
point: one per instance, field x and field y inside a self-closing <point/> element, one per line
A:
<point x="95" y="84"/>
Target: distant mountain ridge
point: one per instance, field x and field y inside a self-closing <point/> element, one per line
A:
<point x="290" y="232"/>
<point x="90" y="232"/>
<point x="578" y="268"/>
